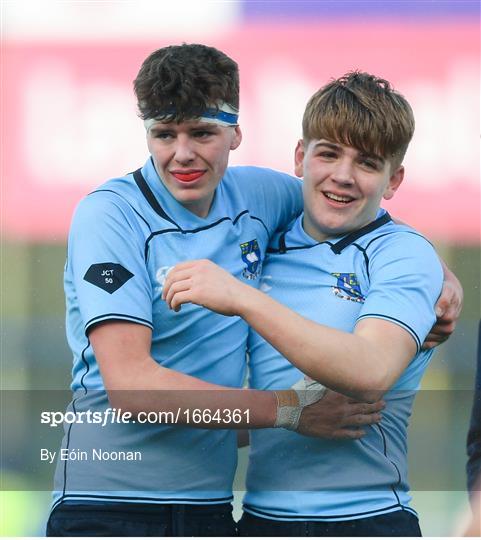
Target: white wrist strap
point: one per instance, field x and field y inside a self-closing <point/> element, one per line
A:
<point x="291" y="402"/>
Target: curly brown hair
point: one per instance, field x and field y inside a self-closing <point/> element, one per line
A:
<point x="362" y="111"/>
<point x="178" y="82"/>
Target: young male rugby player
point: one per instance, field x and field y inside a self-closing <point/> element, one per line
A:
<point x="351" y="298"/>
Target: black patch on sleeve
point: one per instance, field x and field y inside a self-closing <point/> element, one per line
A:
<point x="108" y="276"/>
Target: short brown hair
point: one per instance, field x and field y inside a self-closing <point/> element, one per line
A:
<point x="180" y="81"/>
<point x="362" y="111"/>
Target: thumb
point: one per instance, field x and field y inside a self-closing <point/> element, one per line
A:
<point x="441" y="307"/>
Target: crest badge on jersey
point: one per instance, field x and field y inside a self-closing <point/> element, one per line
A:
<point x="347" y="287"/>
<point x="251" y="255"/>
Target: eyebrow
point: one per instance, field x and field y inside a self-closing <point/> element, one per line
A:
<point x="380" y="159"/>
<point x="160" y="127"/>
<point x="334" y="146"/>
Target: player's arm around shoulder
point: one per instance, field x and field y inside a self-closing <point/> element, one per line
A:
<point x="353" y="364"/>
<point x="274" y="195"/>
<point x="405" y="282"/>
<point x="398" y="312"/>
<point x="136" y="383"/>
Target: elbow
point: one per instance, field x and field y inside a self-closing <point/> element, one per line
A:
<point x="124" y="393"/>
<point x="368" y="396"/>
<point x="370" y="387"/>
<point x="129" y="390"/>
<point x="123" y="400"/>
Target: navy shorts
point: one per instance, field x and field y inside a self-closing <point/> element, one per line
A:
<point x="400" y="523"/>
<point x="129" y="519"/>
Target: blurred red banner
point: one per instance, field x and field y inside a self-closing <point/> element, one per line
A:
<point x="70" y="122"/>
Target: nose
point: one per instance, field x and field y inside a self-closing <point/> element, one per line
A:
<point x="343" y="172"/>
<point x="184" y="152"/>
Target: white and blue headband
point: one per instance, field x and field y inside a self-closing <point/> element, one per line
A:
<point x="223" y="115"/>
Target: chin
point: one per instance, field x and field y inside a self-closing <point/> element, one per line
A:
<point x="334" y="229"/>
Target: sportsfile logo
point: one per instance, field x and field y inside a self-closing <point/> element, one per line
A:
<point x="118" y="416"/>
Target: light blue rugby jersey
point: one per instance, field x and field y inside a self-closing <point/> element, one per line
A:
<point x="123" y="239"/>
<point x="386" y="271"/>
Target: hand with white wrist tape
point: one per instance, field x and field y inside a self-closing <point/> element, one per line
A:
<point x="290" y="403"/>
<point x="313" y="410"/>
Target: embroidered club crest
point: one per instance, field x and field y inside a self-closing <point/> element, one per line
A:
<point x="347" y="287"/>
<point x="251" y="255"/>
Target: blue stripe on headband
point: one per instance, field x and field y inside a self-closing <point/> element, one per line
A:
<point x="223" y="116"/>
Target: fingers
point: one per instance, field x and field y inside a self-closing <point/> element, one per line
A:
<point x="446" y="317"/>
<point x="356" y="407"/>
<point x="364" y="419"/>
<point x="432" y="342"/>
<point x="174" y="276"/>
<point x="174" y="298"/>
<point x="348" y="434"/>
<point x="180" y="298"/>
<point x="180" y="280"/>
<point x="182" y="271"/>
<point x="445" y="323"/>
<point x="443" y="329"/>
<point x="439" y="334"/>
<point x="186" y="265"/>
<point x="442" y="307"/>
<point x="449" y="304"/>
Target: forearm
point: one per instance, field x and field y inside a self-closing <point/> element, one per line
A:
<point x="151" y="387"/>
<point x="342" y="361"/>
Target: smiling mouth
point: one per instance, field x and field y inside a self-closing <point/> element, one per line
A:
<point x="342" y="199"/>
<point x="187" y="176"/>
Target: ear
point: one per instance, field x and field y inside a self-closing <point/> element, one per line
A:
<point x="299" y="159"/>
<point x="394" y="183"/>
<point x="237" y="138"/>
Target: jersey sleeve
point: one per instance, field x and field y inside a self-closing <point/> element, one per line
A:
<point x="405" y="282"/>
<point x="278" y="195"/>
<point x="106" y="263"/>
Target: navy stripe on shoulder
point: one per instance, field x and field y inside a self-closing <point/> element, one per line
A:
<point x="396" y="232"/>
<point x="397" y="321"/>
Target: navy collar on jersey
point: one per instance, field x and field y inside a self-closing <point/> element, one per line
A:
<point x="352" y="237"/>
<point x="147" y="193"/>
<point x="338" y="246"/>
